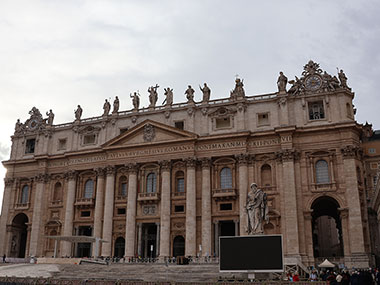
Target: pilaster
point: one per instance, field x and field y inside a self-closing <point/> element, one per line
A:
<point x="130" y="231"/>
<point x="8" y="183"/>
<point x="164" y="240"/>
<point x="190" y="241"/>
<point x="98" y="214"/>
<point x="243" y="186"/>
<point x="206" y="207"/>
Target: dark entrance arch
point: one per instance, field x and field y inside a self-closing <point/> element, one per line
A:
<point x="178" y="246"/>
<point x="119" y="247"/>
<point x="19" y="235"/>
<point x="326" y="228"/>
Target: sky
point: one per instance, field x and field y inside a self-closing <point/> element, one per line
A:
<point x="58" y="54"/>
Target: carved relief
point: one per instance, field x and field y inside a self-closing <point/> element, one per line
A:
<point x="149" y="210"/>
<point x="351" y="151"/>
<point x="149" y="133"/>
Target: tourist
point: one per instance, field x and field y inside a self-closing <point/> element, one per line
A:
<point x="4" y="257"/>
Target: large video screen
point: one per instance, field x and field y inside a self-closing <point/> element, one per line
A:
<point x="261" y="253"/>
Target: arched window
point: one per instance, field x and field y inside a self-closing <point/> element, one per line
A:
<point x="322" y="172"/>
<point x="89" y="188"/>
<point x="180" y="181"/>
<point x="266" y="175"/>
<point x="226" y="178"/>
<point x="57" y="195"/>
<point x="151" y="183"/>
<point x="24" y="194"/>
<point x="123" y="186"/>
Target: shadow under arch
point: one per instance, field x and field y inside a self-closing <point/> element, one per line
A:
<point x="326" y="228"/>
<point x="19" y="234"/>
<point x="178" y="246"/>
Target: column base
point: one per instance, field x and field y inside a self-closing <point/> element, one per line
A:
<point x="357" y="260"/>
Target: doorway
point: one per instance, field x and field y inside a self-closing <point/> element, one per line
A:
<point x="19" y="235"/>
<point x="178" y="246"/>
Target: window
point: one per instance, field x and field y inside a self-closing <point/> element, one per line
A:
<point x="24" y="194"/>
<point x="179" y="208"/>
<point x="180" y="181"/>
<point x="85" y="214"/>
<point x="179" y="125"/>
<point x="123" y="186"/>
<point x="266" y="175"/>
<point x="223" y="122"/>
<point x="57" y="195"/>
<point x="89" y="188"/>
<point x="123" y="130"/>
<point x="226" y="178"/>
<point x="89" y="139"/>
<point x="372" y="150"/>
<point x="322" y="172"/>
<point x="121" y="211"/>
<point x="30" y="146"/>
<point x="225" y="207"/>
<point x="316" y="110"/>
<point x="263" y="119"/>
<point x="62" y="144"/>
<point x="374" y="181"/>
<point x="151" y="183"/>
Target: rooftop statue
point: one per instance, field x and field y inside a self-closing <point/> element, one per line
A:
<point x="238" y="92"/>
<point x="19" y="127"/>
<point x="206" y="93"/>
<point x="343" y="79"/>
<point x="135" y="100"/>
<point x="106" y="108"/>
<point x="50" y="117"/>
<point x="116" y="105"/>
<point x="169" y="96"/>
<point x="190" y="94"/>
<point x="153" y="96"/>
<point x="257" y="210"/>
<point x="78" y="113"/>
<point x="281" y="82"/>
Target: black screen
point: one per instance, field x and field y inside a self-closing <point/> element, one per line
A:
<point x="251" y="253"/>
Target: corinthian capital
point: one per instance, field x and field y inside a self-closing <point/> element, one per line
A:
<point x="110" y="170"/>
<point x="287" y="155"/>
<point x="8" y="182"/>
<point x="42" y="178"/>
<point x="190" y="162"/>
<point x="132" y="167"/>
<point x="350" y="151"/>
<point x="242" y="158"/>
<point x="165" y="164"/>
<point x="71" y="175"/>
<point x="206" y="162"/>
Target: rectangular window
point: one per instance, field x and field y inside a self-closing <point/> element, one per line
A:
<point x="226" y="207"/>
<point x="123" y="130"/>
<point x="179" y="208"/>
<point x="89" y="139"/>
<point x="85" y="214"/>
<point x="180" y="185"/>
<point x="121" y="211"/>
<point x="30" y="146"/>
<point x="221" y="123"/>
<point x="316" y="110"/>
<point x="62" y="144"/>
<point x="263" y="119"/>
<point x="123" y="191"/>
<point x="374" y="165"/>
<point x="179" y="125"/>
<point x="372" y="150"/>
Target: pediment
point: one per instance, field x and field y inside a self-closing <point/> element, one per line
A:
<point x="149" y="132"/>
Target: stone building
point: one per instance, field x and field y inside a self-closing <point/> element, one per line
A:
<point x="169" y="180"/>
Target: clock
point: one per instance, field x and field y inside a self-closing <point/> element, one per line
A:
<point x="313" y="82"/>
<point x="33" y="124"/>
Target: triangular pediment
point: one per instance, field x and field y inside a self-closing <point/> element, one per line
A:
<point x="149" y="132"/>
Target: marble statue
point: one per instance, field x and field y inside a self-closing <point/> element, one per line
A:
<point x="190" y="94"/>
<point x="257" y="210"/>
<point x="106" y="108"/>
<point x="18" y="126"/>
<point x="169" y="96"/>
<point x="78" y="113"/>
<point x="342" y="79"/>
<point x="50" y="117"/>
<point x="206" y="93"/>
<point x="281" y="82"/>
<point x="116" y="105"/>
<point x="238" y="92"/>
<point x="153" y="96"/>
<point x="135" y="100"/>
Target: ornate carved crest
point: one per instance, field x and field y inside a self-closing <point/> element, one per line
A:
<point x="149" y="133"/>
<point x="34" y="123"/>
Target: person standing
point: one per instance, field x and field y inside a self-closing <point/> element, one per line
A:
<point x="4" y="258"/>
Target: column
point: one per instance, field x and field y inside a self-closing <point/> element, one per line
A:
<point x="108" y="211"/>
<point x="345" y="231"/>
<point x="243" y="186"/>
<point x="206" y="208"/>
<point x="8" y="183"/>
<point x="290" y="203"/>
<point x="158" y="239"/>
<point x="36" y="234"/>
<point x="164" y="241"/>
<point x="130" y="231"/>
<point x="308" y="234"/>
<point x="98" y="215"/>
<point x="216" y="238"/>
<point x="139" y="239"/>
<point x="191" y="229"/>
<point x="355" y="224"/>
<point x="236" y="222"/>
<point x="69" y="212"/>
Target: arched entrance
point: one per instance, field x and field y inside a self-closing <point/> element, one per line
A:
<point x="119" y="247"/>
<point x="178" y="246"/>
<point x="327" y="228"/>
<point x="19" y="235"/>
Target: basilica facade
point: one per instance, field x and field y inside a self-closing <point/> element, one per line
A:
<point x="170" y="180"/>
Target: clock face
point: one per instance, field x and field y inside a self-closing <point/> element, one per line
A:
<point x="313" y="82"/>
<point x="33" y="124"/>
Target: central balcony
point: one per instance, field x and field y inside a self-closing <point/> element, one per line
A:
<point x="224" y="194"/>
<point x="148" y="197"/>
<point x="84" y="202"/>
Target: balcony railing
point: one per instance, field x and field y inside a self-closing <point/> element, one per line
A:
<point x="84" y="202"/>
<point x="323" y="187"/>
<point x="57" y="203"/>
<point x="148" y="197"/>
<point x="22" y="206"/>
<point x="224" y="194"/>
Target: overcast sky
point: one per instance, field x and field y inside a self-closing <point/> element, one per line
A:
<point x="58" y="54"/>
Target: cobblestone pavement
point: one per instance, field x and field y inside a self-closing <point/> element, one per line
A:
<point x="132" y="272"/>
